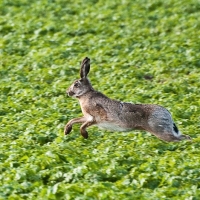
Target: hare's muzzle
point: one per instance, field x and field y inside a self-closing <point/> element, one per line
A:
<point x="70" y="93"/>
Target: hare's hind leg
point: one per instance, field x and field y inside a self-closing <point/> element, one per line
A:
<point x="165" y="133"/>
<point x="169" y="137"/>
<point x="164" y="130"/>
<point x="162" y="126"/>
<point x="168" y="132"/>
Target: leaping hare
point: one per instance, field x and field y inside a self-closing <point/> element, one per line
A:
<point x="114" y="115"/>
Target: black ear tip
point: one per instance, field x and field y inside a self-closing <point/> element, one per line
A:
<point x="87" y="59"/>
<point x="85" y="67"/>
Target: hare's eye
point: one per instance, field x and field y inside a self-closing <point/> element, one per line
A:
<point x="76" y="84"/>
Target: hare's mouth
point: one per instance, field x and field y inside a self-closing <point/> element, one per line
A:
<point x="70" y="93"/>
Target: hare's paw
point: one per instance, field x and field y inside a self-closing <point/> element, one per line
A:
<point x="67" y="129"/>
<point x="84" y="133"/>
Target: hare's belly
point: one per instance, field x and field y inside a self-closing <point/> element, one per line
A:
<point x="112" y="127"/>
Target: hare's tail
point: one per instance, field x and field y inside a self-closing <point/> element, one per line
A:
<point x="176" y="130"/>
<point x="179" y="134"/>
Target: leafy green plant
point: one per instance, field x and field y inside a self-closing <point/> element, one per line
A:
<point x="141" y="51"/>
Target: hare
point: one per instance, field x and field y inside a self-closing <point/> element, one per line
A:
<point x="115" y="115"/>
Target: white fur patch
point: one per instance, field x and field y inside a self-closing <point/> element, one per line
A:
<point x="112" y="127"/>
<point x="88" y="117"/>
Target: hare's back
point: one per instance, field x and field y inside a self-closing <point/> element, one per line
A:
<point x="138" y="115"/>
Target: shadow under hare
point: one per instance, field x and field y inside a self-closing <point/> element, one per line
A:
<point x="115" y="115"/>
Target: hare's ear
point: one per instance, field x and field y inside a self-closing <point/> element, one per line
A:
<point x="85" y="67"/>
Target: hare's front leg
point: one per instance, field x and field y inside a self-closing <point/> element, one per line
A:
<point x="84" y="133"/>
<point x="68" y="126"/>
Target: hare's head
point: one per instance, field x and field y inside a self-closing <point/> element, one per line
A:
<point x="82" y="85"/>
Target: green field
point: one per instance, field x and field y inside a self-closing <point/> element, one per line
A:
<point x="142" y="52"/>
